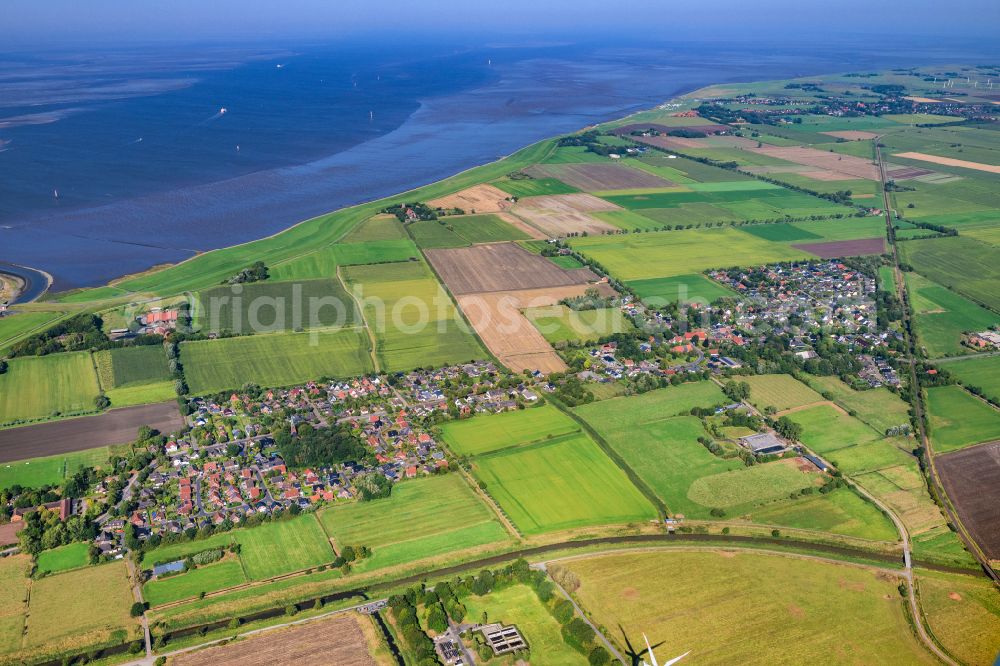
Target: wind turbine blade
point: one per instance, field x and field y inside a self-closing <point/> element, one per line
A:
<point x="652" y="657"/>
<point x="676" y="659"/>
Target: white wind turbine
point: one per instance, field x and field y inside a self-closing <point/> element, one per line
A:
<point x="652" y="656"/>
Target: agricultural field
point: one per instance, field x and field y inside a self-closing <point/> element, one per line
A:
<point x="563" y="214"/>
<point x="598" y="177"/>
<point x="670" y="253"/>
<point x="492" y="432"/>
<point x="793" y="600"/>
<point x="559" y="323"/>
<point x="131" y="365"/>
<point x="962" y="613"/>
<point x="533" y="187"/>
<point x="754" y="485"/>
<point x="324" y="262"/>
<point x="519" y="605"/>
<point x="588" y="490"/>
<point x="942" y="316"/>
<point x="982" y="372"/>
<point x="463" y="230"/>
<point x="878" y="407"/>
<point x="501" y="267"/>
<point x="414" y="321"/>
<point x="959" y="419"/>
<point x="964" y="264"/>
<point x="38" y="387"/>
<point x="64" y="558"/>
<point x="92" y="605"/>
<point x="13" y="595"/>
<point x="780" y="392"/>
<point x="383" y="227"/>
<point x="448" y="516"/>
<point x="839" y="512"/>
<point x="18" y="324"/>
<point x="274" y="307"/>
<point x="971" y="477"/>
<point x="206" y="578"/>
<point x="142" y="394"/>
<point x="278" y="359"/>
<point x="51" y="470"/>
<point x="682" y="288"/>
<point x="827" y="428"/>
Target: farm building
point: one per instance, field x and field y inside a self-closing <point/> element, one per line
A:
<point x="764" y="443"/>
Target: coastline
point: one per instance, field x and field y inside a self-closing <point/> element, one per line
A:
<point x="34" y="282"/>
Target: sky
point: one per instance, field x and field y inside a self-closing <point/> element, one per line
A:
<point x="47" y="23"/>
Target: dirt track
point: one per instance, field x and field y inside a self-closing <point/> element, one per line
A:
<point x="115" y="427"/>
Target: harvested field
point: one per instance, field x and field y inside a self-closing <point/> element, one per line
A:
<point x="336" y="640"/>
<point x="948" y="161"/>
<point x="597" y="177"/>
<point x="846" y="248"/>
<point x="117" y="426"/>
<point x="852" y="135"/>
<point x="562" y="214"/>
<point x="855" y="167"/>
<point x="521" y="225"/>
<point x="476" y="199"/>
<point x="498" y="319"/>
<point x="501" y="267"/>
<point x="897" y="172"/>
<point x="971" y="477"/>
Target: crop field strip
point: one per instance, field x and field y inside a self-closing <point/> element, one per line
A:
<point x="38" y="387"/>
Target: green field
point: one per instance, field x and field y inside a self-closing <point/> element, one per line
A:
<point x="19" y="324"/>
<point x="463" y="230"/>
<point x="625" y="412"/>
<point x="671" y="253"/>
<point x="377" y="228"/>
<point x="838" y="512"/>
<point x="131" y="365"/>
<point x="982" y="372"/>
<point x="207" y="578"/>
<point x="414" y="321"/>
<point x="37" y="387"/>
<point x="142" y="394"/>
<point x="564" y="483"/>
<point x="13" y="595"/>
<point x="964" y="264"/>
<point x="959" y="419"/>
<point x="275" y="307"/>
<point x="682" y="288"/>
<point x="323" y="263"/>
<point x="887" y="279"/>
<point x="762" y="201"/>
<point x="51" y="470"/>
<point x="533" y="187"/>
<point x="754" y="485"/>
<point x="941" y="316"/>
<point x="484" y="434"/>
<point x="879" y="407"/>
<point x="520" y="606"/>
<point x="430" y="517"/>
<point x="825" y="429"/>
<point x="793" y="600"/>
<point x="64" y="558"/>
<point x="558" y="323"/>
<point x="780" y="392"/>
<point x="962" y="613"/>
<point x="280" y="359"/>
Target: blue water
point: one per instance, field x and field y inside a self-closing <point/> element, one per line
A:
<point x="148" y="170"/>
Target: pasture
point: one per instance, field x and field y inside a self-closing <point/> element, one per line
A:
<point x="587" y="490"/>
<point x="206" y="578"/>
<point x="826" y="428"/>
<point x="671" y="253"/>
<point x="37" y="387"/>
<point x="780" y="392"/>
<point x="959" y="419"/>
<point x="492" y="432"/>
<point x="753" y="485"/>
<point x="64" y="558"/>
<point x="533" y="187"/>
<point x="50" y="470"/>
<point x="982" y="372"/>
<point x="839" y="512"/>
<point x="13" y="598"/>
<point x="942" y="316"/>
<point x="274" y="307"/>
<point x="463" y="230"/>
<point x="324" y="262"/>
<point x="878" y="407"/>
<point x="559" y="323"/>
<point x="142" y="394"/>
<point x="694" y="288"/>
<point x="279" y="359"/>
<point x="625" y="412"/>
<point x="791" y="599"/>
<point x="134" y="375"/>
<point x="382" y="227"/>
<point x="968" y="266"/>
<point x="18" y="324"/>
<point x="283" y="546"/>
<point x="429" y="517"/>
<point x="962" y="613"/>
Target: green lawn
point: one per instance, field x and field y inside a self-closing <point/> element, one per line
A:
<point x="825" y="429"/>
<point x="982" y="372"/>
<point x="37" y="387"/>
<point x="430" y="517"/>
<point x="207" y="578"/>
<point x="72" y="556"/>
<point x="279" y="359"/>
<point x="682" y="288"/>
<point x="484" y="434"/>
<point x="558" y="323"/>
<point x="779" y="391"/>
<point x="959" y="419"/>
<point x="566" y="483"/>
<point x="671" y="253"/>
<point x="51" y="470"/>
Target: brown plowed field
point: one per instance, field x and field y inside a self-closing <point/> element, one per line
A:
<point x="498" y="319"/>
<point x="115" y="427"/>
<point x="500" y="267"/>
<point x="521" y="225"/>
<point x="971" y="477"/>
<point x="856" y="167"/>
<point x="562" y="214"/>
<point x="598" y="177"/>
<point x="845" y="248"/>
<point x="478" y="199"/>
<point x="338" y="640"/>
<point x="852" y="135"/>
<point x="896" y="172"/>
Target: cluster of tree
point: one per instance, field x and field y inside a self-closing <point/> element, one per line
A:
<point x="590" y="300"/>
<point x="255" y="272"/>
<point x="373" y="486"/>
<point x="591" y="140"/>
<point x="788" y="428"/>
<point x="74" y="334"/>
<point x="737" y="391"/>
<point x="199" y="533"/>
<point x="415" y="641"/>
<point x="317" y="447"/>
<point x="44" y="530"/>
<point x="572" y="392"/>
<point x="420" y="209"/>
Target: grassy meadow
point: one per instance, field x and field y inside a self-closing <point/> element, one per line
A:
<point x="492" y="432"/>
<point x="959" y="419"/>
<point x="37" y="387"/>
